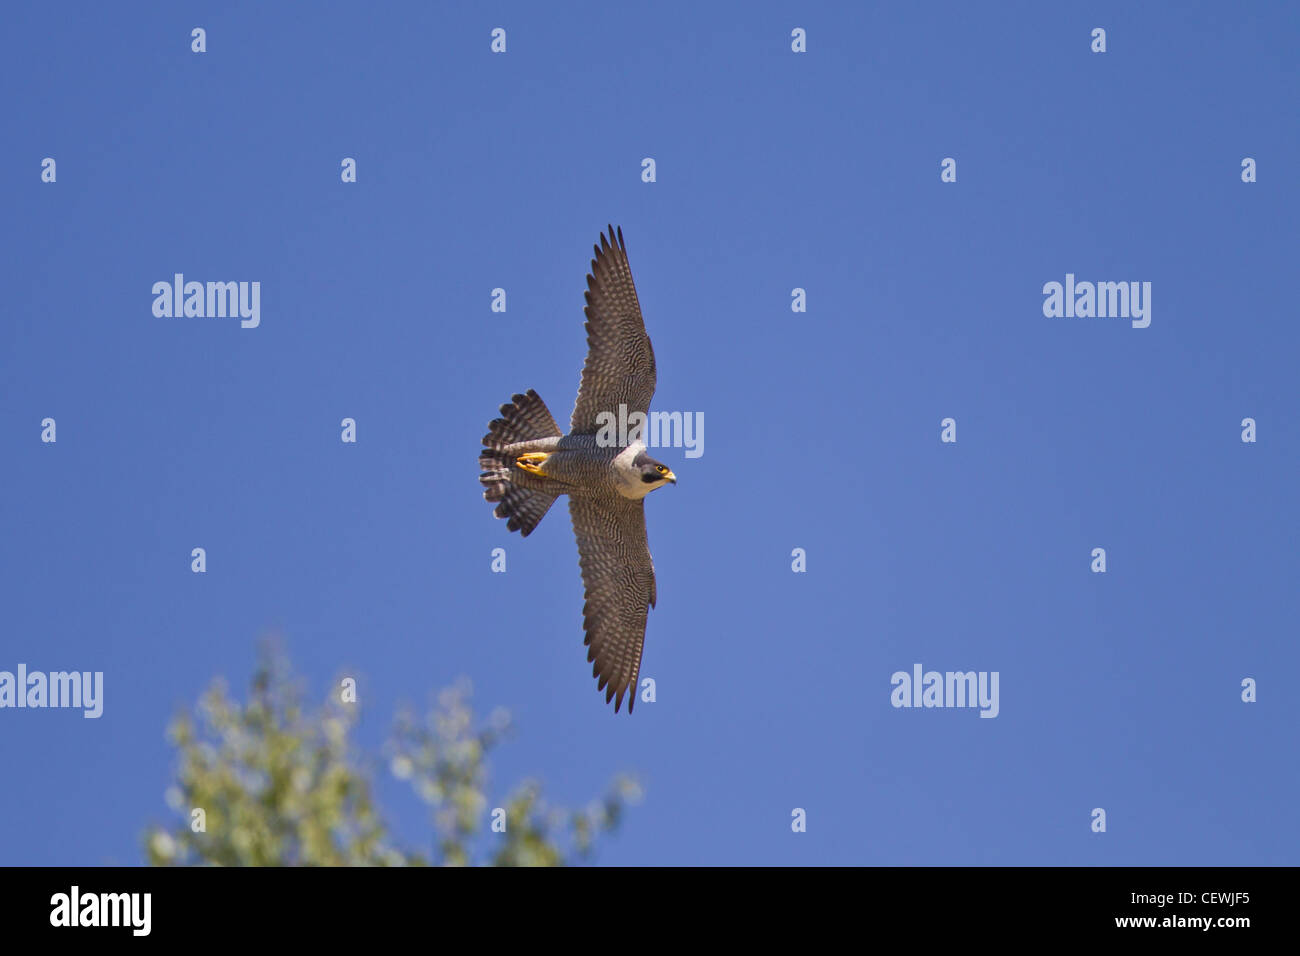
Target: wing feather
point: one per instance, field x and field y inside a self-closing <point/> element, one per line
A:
<point x="620" y="366"/>
<point x="619" y="578"/>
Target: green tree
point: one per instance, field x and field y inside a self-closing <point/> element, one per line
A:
<point x="281" y="785"/>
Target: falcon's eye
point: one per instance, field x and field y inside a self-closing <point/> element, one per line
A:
<point x="660" y="468"/>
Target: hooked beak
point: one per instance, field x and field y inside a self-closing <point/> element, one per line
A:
<point x="671" y="477"/>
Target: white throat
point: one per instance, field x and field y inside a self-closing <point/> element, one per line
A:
<point x="627" y="477"/>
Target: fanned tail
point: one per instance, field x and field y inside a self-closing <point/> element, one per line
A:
<point x="522" y="499"/>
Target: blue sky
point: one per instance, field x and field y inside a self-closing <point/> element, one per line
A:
<point x="775" y="170"/>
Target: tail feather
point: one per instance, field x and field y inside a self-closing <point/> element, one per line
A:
<point x="519" y="498"/>
<point x="523" y="508"/>
<point x="523" y="418"/>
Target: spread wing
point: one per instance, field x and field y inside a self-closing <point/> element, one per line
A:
<point x="620" y="367"/>
<point x="619" y="578"/>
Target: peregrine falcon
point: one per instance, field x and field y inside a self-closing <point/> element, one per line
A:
<point x="528" y="462"/>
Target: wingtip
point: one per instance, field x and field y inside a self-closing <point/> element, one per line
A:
<point x="610" y="239"/>
<point x="618" y="701"/>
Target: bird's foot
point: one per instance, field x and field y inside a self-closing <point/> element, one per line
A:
<point x="532" y="462"/>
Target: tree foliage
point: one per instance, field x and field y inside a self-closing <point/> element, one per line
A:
<point x="279" y="784"/>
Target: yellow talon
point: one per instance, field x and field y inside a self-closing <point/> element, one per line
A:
<point x="532" y="462"/>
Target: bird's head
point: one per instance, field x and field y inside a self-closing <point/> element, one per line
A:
<point x="654" y="474"/>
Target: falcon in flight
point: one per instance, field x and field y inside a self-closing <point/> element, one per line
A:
<point x="528" y="462"/>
